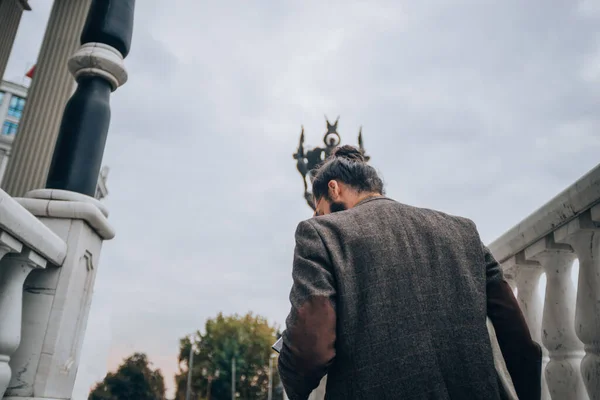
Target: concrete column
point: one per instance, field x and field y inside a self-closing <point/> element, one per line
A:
<point x="50" y="89"/>
<point x="10" y="17"/>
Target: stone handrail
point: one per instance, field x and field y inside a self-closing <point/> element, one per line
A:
<point x="20" y="223"/>
<point x="566" y="319"/>
<point x="26" y="244"/>
<point x="573" y="201"/>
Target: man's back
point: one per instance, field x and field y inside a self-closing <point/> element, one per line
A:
<point x="411" y="304"/>
<point x="391" y="300"/>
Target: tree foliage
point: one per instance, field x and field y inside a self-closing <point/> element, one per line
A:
<point x="134" y="379"/>
<point x="246" y="338"/>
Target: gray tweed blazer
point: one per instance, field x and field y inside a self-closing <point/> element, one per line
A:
<point x="391" y="300"/>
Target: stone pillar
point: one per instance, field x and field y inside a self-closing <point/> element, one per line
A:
<point x="56" y="303"/>
<point x="50" y="89"/>
<point x="10" y="17"/>
<point x="558" y="322"/>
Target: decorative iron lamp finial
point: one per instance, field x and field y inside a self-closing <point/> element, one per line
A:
<point x="308" y="160"/>
<point x="361" y="145"/>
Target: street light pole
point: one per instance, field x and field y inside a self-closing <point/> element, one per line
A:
<point x="270" y="394"/>
<point x="99" y="70"/>
<point x="233" y="378"/>
<point x="188" y="392"/>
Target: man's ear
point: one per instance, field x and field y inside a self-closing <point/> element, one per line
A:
<point x="335" y="190"/>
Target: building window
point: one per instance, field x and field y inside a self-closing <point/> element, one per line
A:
<point x="1" y="97"/>
<point x="9" y="128"/>
<point x="15" y="108"/>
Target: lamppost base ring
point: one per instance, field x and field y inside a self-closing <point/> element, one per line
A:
<point x="101" y="60"/>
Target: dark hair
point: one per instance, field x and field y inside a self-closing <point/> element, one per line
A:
<point x="346" y="164"/>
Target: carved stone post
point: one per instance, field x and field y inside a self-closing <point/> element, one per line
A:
<point x="56" y="302"/>
<point x="20" y="234"/>
<point x="558" y="331"/>
<point x="526" y="276"/>
<point x="14" y="269"/>
<point x="583" y="234"/>
<point x="11" y="288"/>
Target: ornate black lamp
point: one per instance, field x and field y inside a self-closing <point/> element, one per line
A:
<point x="99" y="70"/>
<point x="308" y="160"/>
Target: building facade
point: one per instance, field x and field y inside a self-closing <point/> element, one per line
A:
<point x="13" y="97"/>
<point x="12" y="102"/>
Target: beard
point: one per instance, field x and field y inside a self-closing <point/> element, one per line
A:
<point x="337" y="206"/>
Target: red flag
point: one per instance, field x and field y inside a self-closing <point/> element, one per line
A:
<point x="29" y="74"/>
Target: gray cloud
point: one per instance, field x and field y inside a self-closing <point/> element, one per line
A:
<point x="485" y="109"/>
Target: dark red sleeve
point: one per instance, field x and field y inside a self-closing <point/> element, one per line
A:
<point x="309" y="339"/>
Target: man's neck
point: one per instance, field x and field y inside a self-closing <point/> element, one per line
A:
<point x="364" y="196"/>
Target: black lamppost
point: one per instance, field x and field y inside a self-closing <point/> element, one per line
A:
<point x="308" y="160"/>
<point x="99" y="70"/>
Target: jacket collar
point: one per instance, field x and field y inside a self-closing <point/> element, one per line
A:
<point x="369" y="199"/>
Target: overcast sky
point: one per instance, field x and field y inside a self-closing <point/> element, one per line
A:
<point x="485" y="109"/>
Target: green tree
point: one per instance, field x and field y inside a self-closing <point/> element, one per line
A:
<point x="246" y="338"/>
<point x="134" y="379"/>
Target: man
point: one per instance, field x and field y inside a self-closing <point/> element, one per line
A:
<point x="390" y="301"/>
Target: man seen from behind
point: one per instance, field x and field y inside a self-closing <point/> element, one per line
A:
<point x="390" y="301"/>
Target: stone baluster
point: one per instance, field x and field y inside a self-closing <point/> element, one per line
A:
<point x="558" y="330"/>
<point x="526" y="276"/>
<point x="527" y="279"/>
<point x="14" y="268"/>
<point x="583" y="234"/>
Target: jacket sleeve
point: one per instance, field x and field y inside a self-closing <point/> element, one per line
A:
<point x="309" y="339"/>
<point x="522" y="355"/>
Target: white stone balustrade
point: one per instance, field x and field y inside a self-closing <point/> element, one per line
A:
<point x="56" y="302"/>
<point x="50" y="244"/>
<point x="566" y="321"/>
<point x="26" y="244"/>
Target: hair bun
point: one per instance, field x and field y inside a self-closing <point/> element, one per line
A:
<point x="349" y="153"/>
